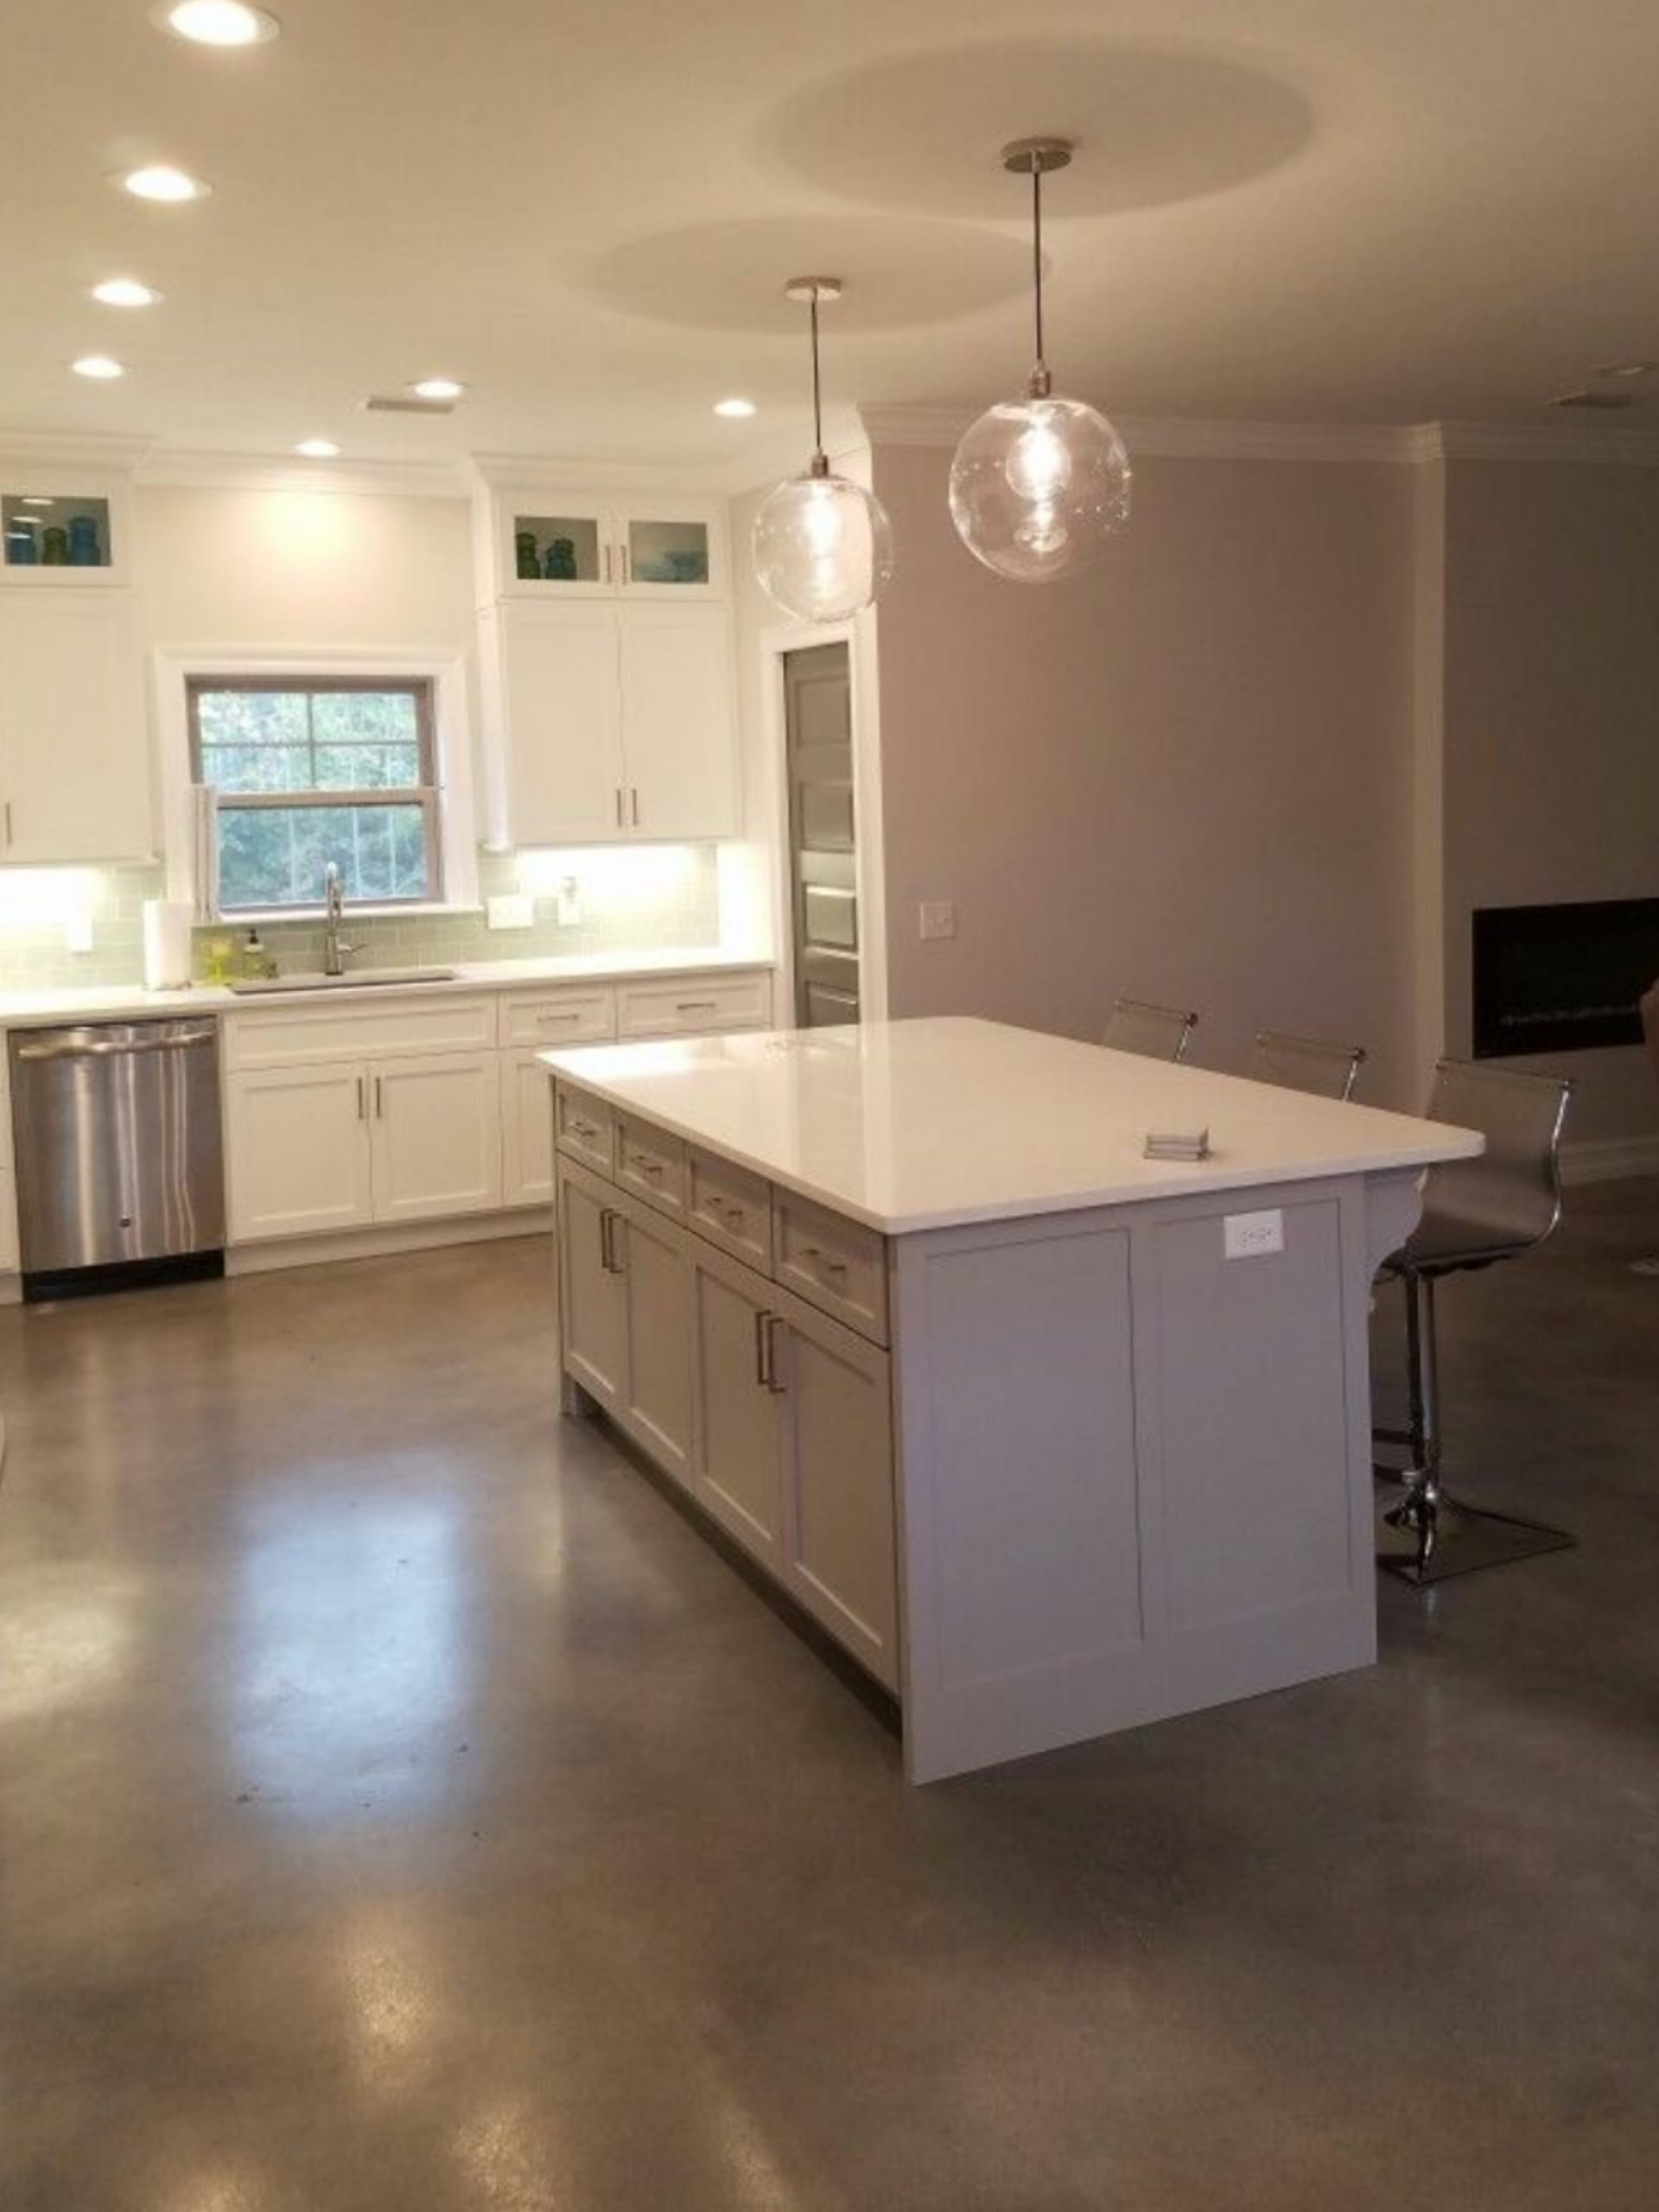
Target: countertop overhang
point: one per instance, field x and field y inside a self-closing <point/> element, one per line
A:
<point x="934" y="1123"/>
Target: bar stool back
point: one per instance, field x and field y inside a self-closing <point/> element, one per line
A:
<point x="1157" y="1033"/>
<point x="1306" y="1064"/>
<point x="1475" y="1212"/>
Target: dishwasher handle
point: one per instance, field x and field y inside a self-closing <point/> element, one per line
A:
<point x="104" y="1048"/>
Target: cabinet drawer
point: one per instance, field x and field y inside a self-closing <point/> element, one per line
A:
<point x="652" y="1162"/>
<point x="367" y="1028"/>
<point x="838" y="1266"/>
<point x="551" y="1018"/>
<point x="730" y="1206"/>
<point x="585" y="1129"/>
<point x="693" y="1005"/>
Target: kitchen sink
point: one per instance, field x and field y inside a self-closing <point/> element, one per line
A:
<point x="353" y="980"/>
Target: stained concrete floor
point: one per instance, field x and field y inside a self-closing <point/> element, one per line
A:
<point x="402" y="1810"/>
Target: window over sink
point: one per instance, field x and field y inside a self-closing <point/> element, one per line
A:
<point x="309" y="769"/>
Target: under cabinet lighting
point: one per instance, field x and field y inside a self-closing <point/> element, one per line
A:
<point x="126" y="292"/>
<point x="159" y="181"/>
<point x="216" y="23"/>
<point x="98" y="366"/>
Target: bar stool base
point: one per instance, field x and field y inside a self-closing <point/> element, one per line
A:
<point x="1466" y="1539"/>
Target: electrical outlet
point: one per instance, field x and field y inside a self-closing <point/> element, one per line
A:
<point x="1253" y="1236"/>
<point x="569" y="897"/>
<point x="936" y="918"/>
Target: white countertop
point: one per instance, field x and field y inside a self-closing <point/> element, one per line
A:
<point x="910" y="1125"/>
<point x="132" y="1002"/>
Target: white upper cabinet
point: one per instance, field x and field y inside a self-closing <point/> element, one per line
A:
<point x="553" y="724"/>
<point x="75" y="756"/>
<point x="679" y="753"/>
<point x="550" y="544"/>
<point x="609" y="722"/>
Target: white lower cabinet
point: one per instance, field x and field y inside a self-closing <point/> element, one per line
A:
<point x="342" y="1145"/>
<point x="526" y="1131"/>
<point x="299" y="1157"/>
<point x="436" y="1134"/>
<point x="776" y="1418"/>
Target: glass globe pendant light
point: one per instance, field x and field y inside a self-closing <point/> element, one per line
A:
<point x="1039" y="484"/>
<point x="821" y="545"/>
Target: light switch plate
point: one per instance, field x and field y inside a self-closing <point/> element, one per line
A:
<point x="936" y="917"/>
<point x="510" y="909"/>
<point x="1253" y="1236"/>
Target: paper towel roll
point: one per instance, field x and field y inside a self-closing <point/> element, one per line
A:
<point x="167" y="943"/>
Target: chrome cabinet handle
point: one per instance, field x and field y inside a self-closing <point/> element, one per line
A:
<point x="634" y="803"/>
<point x="735" y="1217"/>
<point x="822" y="1259"/>
<point x="608" y="1218"/>
<point x="607" y="560"/>
<point x="697" y="1006"/>
<point x="379" y="1100"/>
<point x="642" y="1164"/>
<point x="619" y="806"/>
<point x="762" y="1378"/>
<point x="547" y="1020"/>
<point x="626" y="551"/>
<point x="588" y="1129"/>
<point x="362" y="1100"/>
<point x="770" y="1325"/>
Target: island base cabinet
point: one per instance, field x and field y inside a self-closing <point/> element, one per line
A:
<point x="738" y="1469"/>
<point x="592" y="1316"/>
<point x="655" y="1402"/>
<point x="835" y="1424"/>
<point x="794" y="1450"/>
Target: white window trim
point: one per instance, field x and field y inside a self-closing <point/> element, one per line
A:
<point x="452" y="738"/>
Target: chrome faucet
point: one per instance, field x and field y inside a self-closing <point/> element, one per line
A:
<point x="334" y="947"/>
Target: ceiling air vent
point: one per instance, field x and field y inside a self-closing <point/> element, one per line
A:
<point x="1597" y="402"/>
<point x="404" y="403"/>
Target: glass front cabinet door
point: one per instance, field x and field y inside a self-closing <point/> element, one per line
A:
<point x="553" y="547"/>
<point x="54" y="531"/>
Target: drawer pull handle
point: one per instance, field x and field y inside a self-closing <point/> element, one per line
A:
<point x="822" y="1259"/>
<point x="766" y="1373"/>
<point x="588" y="1129"/>
<point x="697" y="1006"/>
<point x="608" y="1218"/>
<point x="547" y="1020"/>
<point x="735" y="1217"/>
<point x="644" y="1165"/>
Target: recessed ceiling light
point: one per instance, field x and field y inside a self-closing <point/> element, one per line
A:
<point x="734" y="411"/>
<point x="126" y="292"/>
<point x="216" y="23"/>
<point x="98" y="366"/>
<point x="159" y="182"/>
<point x="437" y="388"/>
<point x="318" y="448"/>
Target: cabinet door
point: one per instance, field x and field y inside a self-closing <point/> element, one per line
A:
<point x="592" y="1317"/>
<point x="436" y="1124"/>
<point x="74" y="753"/>
<point x="526" y="1131"/>
<point x="679" y="735"/>
<point x="656" y="1274"/>
<point x="671" y="548"/>
<point x="556" y="545"/>
<point x="560" y="715"/>
<point x="736" y="1472"/>
<point x="836" y="1419"/>
<point x="299" y="1152"/>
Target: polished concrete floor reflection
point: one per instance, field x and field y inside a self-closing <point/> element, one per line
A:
<point x="402" y="1810"/>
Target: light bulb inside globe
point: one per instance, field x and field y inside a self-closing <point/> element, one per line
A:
<point x="1038" y="466"/>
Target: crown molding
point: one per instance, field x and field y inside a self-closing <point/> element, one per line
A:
<point x="1408" y="443"/>
<point x="73" y="449"/>
<point x="257" y="472"/>
<point x="1614" y="444"/>
<point x="524" y="472"/>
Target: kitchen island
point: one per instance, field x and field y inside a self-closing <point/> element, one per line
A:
<point x="1052" y="1439"/>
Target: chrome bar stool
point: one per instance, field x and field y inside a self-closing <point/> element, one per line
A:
<point x="1475" y="1213"/>
<point x="1306" y="1064"/>
<point x="1157" y="1033"/>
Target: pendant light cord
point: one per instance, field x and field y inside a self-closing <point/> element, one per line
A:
<point x="1036" y="257"/>
<point x="817" y="399"/>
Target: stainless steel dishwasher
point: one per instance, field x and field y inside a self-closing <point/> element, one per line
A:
<point x="120" y="1166"/>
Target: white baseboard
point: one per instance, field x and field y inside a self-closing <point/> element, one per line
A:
<point x="379" y="1244"/>
<point x="1609" y="1160"/>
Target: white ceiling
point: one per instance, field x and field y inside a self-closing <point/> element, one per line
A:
<point x="1286" y="210"/>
